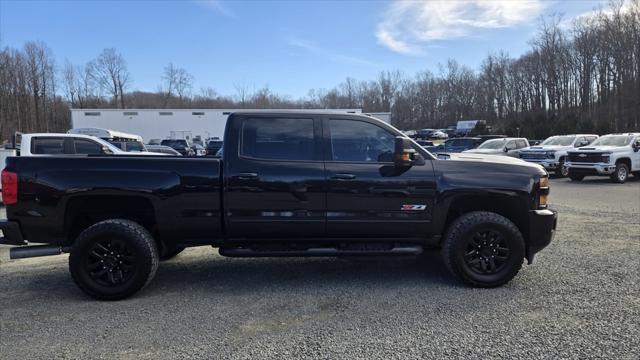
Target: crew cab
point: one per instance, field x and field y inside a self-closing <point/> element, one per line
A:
<point x="613" y="155"/>
<point x="552" y="152"/>
<point x="288" y="184"/>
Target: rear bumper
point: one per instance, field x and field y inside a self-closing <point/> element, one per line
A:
<point x="542" y="229"/>
<point x="11" y="234"/>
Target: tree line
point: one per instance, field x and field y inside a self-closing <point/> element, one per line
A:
<point x="578" y="77"/>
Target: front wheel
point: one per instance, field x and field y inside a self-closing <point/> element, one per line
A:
<point x="562" y="171"/>
<point x="113" y="259"/>
<point x="621" y="173"/>
<point x="483" y="249"/>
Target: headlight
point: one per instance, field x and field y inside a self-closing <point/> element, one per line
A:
<point x="543" y="192"/>
<point x="606" y="158"/>
<point x="551" y="155"/>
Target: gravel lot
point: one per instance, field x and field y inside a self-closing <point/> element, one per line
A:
<point x="580" y="299"/>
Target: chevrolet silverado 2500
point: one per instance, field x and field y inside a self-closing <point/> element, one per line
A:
<point x="288" y="184"/>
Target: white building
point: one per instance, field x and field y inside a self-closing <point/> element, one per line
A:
<point x="164" y="123"/>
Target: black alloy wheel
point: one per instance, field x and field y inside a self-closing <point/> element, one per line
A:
<point x="487" y="252"/>
<point x="110" y="262"/>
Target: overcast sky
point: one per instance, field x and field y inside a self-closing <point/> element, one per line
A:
<point x="290" y="46"/>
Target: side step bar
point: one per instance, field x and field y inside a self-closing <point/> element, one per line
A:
<point x="243" y="252"/>
<point x="23" y="252"/>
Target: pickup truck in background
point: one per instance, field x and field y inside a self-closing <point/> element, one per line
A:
<point x="288" y="184"/>
<point x="613" y="155"/>
<point x="501" y="146"/>
<point x="552" y="153"/>
<point x="47" y="144"/>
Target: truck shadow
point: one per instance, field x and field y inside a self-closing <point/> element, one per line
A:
<point x="246" y="275"/>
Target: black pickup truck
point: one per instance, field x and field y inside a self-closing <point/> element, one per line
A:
<point x="288" y="184"/>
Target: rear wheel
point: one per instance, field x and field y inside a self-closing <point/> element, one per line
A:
<point x="483" y="249"/>
<point x="113" y="259"/>
<point x="621" y="173"/>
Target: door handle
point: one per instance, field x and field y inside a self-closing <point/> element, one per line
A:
<point x="246" y="176"/>
<point x="343" y="177"/>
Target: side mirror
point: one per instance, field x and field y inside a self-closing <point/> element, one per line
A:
<point x="106" y="150"/>
<point x="636" y="146"/>
<point x="506" y="149"/>
<point x="404" y="151"/>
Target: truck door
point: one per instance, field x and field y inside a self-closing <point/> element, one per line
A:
<point x="274" y="177"/>
<point x="366" y="195"/>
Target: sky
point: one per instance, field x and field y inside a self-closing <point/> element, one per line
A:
<point x="289" y="46"/>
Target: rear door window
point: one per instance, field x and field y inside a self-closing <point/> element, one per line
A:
<point x="47" y="145"/>
<point x="521" y="144"/>
<point x="87" y="147"/>
<point x="278" y="139"/>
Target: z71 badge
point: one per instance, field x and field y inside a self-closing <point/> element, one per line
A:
<point x="413" y="207"/>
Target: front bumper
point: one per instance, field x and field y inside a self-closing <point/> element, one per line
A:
<point x="542" y="229"/>
<point x="591" y="168"/>
<point x="11" y="234"/>
<point x="549" y="164"/>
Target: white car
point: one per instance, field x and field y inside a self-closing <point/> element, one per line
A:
<point x="438" y="135"/>
<point x="552" y="152"/>
<point x="46" y="144"/>
<point x="614" y="155"/>
<point x="504" y="146"/>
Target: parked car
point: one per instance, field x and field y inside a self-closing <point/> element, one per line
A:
<point x="180" y="145"/>
<point x="438" y="134"/>
<point x="424" y="143"/>
<point x="213" y="146"/>
<point x="424" y="134"/>
<point x="507" y="146"/>
<point x="552" y="152"/>
<point x="484" y="138"/>
<point x="372" y="191"/>
<point x="198" y="150"/>
<point x="455" y="145"/>
<point x="163" y="149"/>
<point x="613" y="155"/>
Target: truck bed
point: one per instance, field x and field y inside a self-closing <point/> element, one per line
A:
<point x="182" y="194"/>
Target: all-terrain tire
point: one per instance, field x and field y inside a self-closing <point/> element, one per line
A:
<point x="621" y="174"/>
<point x="463" y="232"/>
<point x="562" y="170"/>
<point x="113" y="259"/>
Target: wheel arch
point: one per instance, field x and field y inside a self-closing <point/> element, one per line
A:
<point x="83" y="211"/>
<point x="513" y="207"/>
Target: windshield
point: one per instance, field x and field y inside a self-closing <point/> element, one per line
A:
<point x="459" y="142"/>
<point x="134" y="146"/>
<point x="613" y="140"/>
<point x="175" y="143"/>
<point x="559" y="140"/>
<point x="493" y="144"/>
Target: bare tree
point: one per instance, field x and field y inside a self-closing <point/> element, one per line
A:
<point x="110" y="72"/>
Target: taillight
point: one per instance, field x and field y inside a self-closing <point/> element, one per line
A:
<point x="9" y="187"/>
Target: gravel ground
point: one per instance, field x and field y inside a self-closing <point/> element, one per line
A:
<point x="580" y="299"/>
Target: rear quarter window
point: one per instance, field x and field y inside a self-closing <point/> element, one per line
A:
<point x="48" y="145"/>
